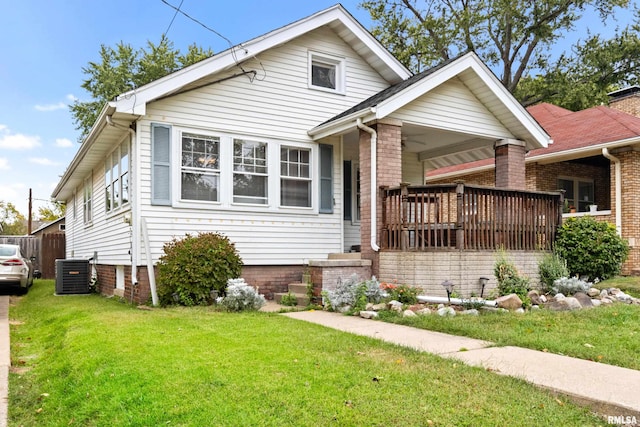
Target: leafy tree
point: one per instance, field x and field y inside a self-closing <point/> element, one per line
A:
<point x="510" y="35"/>
<point x="52" y="212"/>
<point x="12" y="222"/>
<point x="122" y="69"/>
<point x="583" y="79"/>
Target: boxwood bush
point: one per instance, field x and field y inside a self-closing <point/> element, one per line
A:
<point x="592" y="248"/>
<point x="194" y="266"/>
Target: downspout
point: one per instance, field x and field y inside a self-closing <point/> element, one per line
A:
<point x="133" y="222"/>
<point x="374" y="186"/>
<point x="618" y="178"/>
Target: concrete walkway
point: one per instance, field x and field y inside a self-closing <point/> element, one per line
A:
<point x="606" y="389"/>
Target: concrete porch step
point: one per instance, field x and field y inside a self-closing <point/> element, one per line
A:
<point x="350" y="255"/>
<point x="298" y="288"/>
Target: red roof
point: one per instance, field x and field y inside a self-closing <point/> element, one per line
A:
<point x="570" y="131"/>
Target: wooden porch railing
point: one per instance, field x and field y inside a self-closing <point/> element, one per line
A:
<point x="459" y="216"/>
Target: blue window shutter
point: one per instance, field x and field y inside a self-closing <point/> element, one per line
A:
<point x="326" y="178"/>
<point x="346" y="189"/>
<point x="160" y="164"/>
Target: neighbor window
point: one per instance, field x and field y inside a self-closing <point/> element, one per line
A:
<point x="116" y="178"/>
<point x="326" y="72"/>
<point x="88" y="200"/>
<point x="200" y="167"/>
<point x="578" y="193"/>
<point x="295" y="177"/>
<point x="250" y="173"/>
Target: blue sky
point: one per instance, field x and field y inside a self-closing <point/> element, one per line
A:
<point x="46" y="43"/>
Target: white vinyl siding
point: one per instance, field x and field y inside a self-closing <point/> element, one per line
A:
<point x="452" y="106"/>
<point x="278" y="108"/>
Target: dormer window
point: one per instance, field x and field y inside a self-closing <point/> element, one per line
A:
<point x="326" y="72"/>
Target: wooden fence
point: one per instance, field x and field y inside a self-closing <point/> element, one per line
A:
<point x="458" y="216"/>
<point x="46" y="248"/>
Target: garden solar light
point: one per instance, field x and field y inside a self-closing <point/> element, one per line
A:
<point x="448" y="286"/>
<point x="483" y="283"/>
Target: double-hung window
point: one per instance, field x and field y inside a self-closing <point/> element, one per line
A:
<point x="116" y="178"/>
<point x="250" y="172"/>
<point x="579" y="192"/>
<point x="326" y="72"/>
<point x="88" y="200"/>
<point x="200" y="170"/>
<point x="295" y="177"/>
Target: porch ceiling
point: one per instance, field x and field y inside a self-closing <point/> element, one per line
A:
<point x="439" y="148"/>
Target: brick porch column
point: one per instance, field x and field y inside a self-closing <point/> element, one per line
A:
<point x="510" y="167"/>
<point x="389" y="172"/>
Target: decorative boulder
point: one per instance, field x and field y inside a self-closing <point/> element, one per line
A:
<point x="510" y="302"/>
<point x="424" y="311"/>
<point x="583" y="299"/>
<point x="408" y="313"/>
<point x="593" y="292"/>
<point x="395" y="306"/>
<point x="446" y="311"/>
<point x="534" y="296"/>
<point x="470" y="312"/>
<point x="379" y="307"/>
<point x="368" y="314"/>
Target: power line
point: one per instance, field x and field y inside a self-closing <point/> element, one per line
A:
<point x="174" y="18"/>
<point x="177" y="9"/>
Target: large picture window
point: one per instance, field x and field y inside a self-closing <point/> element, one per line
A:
<point x="116" y="178"/>
<point x="200" y="172"/>
<point x="295" y="177"/>
<point x="578" y="192"/>
<point x="250" y="172"/>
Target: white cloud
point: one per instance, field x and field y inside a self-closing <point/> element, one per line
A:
<point x="71" y="97"/>
<point x="17" y="141"/>
<point x="51" y="107"/>
<point x="64" y="143"/>
<point x="4" y="164"/>
<point x="43" y="161"/>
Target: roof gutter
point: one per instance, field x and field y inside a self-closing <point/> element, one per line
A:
<point x="618" y="178"/>
<point x="374" y="198"/>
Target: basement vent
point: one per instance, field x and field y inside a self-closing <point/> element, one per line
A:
<point x="72" y="276"/>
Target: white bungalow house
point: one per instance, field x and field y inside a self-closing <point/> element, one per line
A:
<point x="277" y="143"/>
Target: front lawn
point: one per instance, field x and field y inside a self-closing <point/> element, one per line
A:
<point x="91" y="361"/>
<point x="607" y="334"/>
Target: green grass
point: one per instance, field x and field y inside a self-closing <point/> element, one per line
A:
<point x="627" y="284"/>
<point x="91" y="361"/>
<point x="607" y="334"/>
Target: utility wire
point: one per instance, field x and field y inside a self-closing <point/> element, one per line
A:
<point x="174" y="18"/>
<point x="177" y="9"/>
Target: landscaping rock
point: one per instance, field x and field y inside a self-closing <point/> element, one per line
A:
<point x="606" y="300"/>
<point x="510" y="302"/>
<point x="379" y="307"/>
<point x="365" y="314"/>
<point x="560" y="305"/>
<point x="622" y="297"/>
<point x="535" y="307"/>
<point x="446" y="311"/>
<point x="596" y="302"/>
<point x="593" y="292"/>
<point x="424" y="311"/>
<point x="534" y="296"/>
<point x="519" y="310"/>
<point x="470" y="312"/>
<point x="395" y="306"/>
<point x="543" y="299"/>
<point x="558" y="296"/>
<point x="409" y="313"/>
<point x="604" y="293"/>
<point x="574" y="304"/>
<point x="583" y="299"/>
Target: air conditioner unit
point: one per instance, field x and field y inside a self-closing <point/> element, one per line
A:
<point x="72" y="276"/>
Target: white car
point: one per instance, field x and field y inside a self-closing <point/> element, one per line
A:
<point x="15" y="270"/>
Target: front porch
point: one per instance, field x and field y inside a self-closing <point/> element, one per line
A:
<point x="468" y="217"/>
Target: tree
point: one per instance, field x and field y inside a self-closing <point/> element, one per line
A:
<point x="12" y="222"/>
<point x="122" y="69"/>
<point x="509" y="35"/>
<point x="52" y="212"/>
<point x="583" y="79"/>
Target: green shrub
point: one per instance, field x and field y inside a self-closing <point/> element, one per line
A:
<point x="592" y="248"/>
<point x="192" y="267"/>
<point x="289" y="299"/>
<point x="551" y="267"/>
<point x="241" y="297"/>
<point x="509" y="280"/>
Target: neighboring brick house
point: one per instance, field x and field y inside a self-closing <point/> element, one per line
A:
<point x="595" y="158"/>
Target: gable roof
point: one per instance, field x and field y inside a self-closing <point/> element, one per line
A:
<point x="575" y="135"/>
<point x="335" y="17"/>
<point x="475" y="75"/>
<point x="116" y="116"/>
